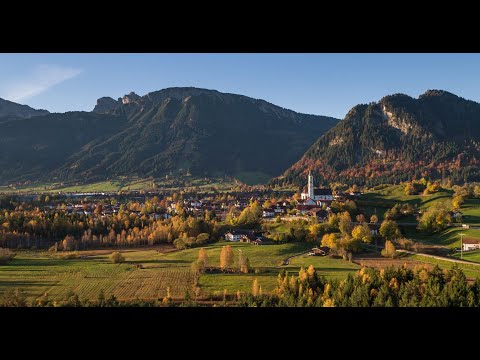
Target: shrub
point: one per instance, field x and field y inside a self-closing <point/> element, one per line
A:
<point x="117" y="257"/>
<point x="6" y="255"/>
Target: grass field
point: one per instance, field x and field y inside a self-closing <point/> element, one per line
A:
<point x="118" y="184"/>
<point x="473" y="256"/>
<point x="449" y="237"/>
<point x="471" y="271"/>
<point x="37" y="273"/>
<point x="380" y="200"/>
<point x="471" y="212"/>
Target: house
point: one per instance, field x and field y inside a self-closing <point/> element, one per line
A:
<point x="319" y="251"/>
<point x="355" y="193"/>
<point x="319" y="213"/>
<point x="470" y="244"/>
<point x="280" y="209"/>
<point x="269" y="213"/>
<point x="240" y="235"/>
<point x="374" y="229"/>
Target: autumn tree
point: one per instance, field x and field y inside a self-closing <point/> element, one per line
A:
<point x="409" y="189"/>
<point x="226" y="257"/>
<point x="330" y="240"/>
<point x="117" y="257"/>
<point x="434" y="219"/>
<point x="476" y="191"/>
<point x="362" y="233"/>
<point x="202" y="258"/>
<point x="251" y="215"/>
<point x="388" y="250"/>
<point x="68" y="243"/>
<point x="345" y="223"/>
<point x="457" y="202"/>
<point x="243" y="263"/>
<point x="255" y="288"/>
<point x="360" y="218"/>
<point x="389" y="229"/>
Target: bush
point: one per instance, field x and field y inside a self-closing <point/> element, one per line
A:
<point x="6" y="255"/>
<point x="117" y="257"/>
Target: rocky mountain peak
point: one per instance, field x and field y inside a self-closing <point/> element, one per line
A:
<point x="105" y="105"/>
<point x="130" y="98"/>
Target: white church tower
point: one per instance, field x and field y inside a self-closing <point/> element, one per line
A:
<point x="310" y="193"/>
<point x="310" y="185"/>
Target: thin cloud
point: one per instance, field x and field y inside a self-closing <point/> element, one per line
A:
<point x="43" y="78"/>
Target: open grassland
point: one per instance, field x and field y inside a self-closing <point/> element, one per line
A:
<point x="396" y="194"/>
<point x="449" y="237"/>
<point x="37" y="274"/>
<point x="146" y="274"/>
<point x="473" y="256"/>
<point x="379" y="201"/>
<point x="471" y="212"/>
<point x="471" y="271"/>
<point x="119" y="184"/>
<point x="326" y="266"/>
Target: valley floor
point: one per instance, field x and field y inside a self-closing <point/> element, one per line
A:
<point x="147" y="273"/>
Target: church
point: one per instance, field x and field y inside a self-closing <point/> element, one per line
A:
<point x="321" y="196"/>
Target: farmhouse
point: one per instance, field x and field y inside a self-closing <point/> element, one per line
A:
<point x="240" y="235"/>
<point x="470" y="244"/>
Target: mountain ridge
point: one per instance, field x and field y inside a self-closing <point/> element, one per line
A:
<point x="12" y="110"/>
<point x="436" y="135"/>
<point x="187" y="130"/>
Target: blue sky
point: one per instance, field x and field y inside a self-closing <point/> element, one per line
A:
<point x="323" y="84"/>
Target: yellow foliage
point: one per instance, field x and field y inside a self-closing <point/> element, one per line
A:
<point x="329" y="303"/>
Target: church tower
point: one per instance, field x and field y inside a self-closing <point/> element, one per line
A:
<point x="310" y="185"/>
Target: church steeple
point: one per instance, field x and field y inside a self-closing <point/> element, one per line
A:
<point x="310" y="185"/>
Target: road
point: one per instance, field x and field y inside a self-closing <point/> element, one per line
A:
<point x="439" y="257"/>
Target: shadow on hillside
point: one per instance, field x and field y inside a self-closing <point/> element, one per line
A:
<point x="471" y="219"/>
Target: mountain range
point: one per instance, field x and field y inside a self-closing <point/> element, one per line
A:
<point x="177" y="130"/>
<point x="398" y="138"/>
<point x="207" y="133"/>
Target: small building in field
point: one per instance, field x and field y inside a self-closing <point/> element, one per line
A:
<point x="319" y="251"/>
<point x="470" y="244"/>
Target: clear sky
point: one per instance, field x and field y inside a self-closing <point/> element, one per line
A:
<point x="323" y="84"/>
